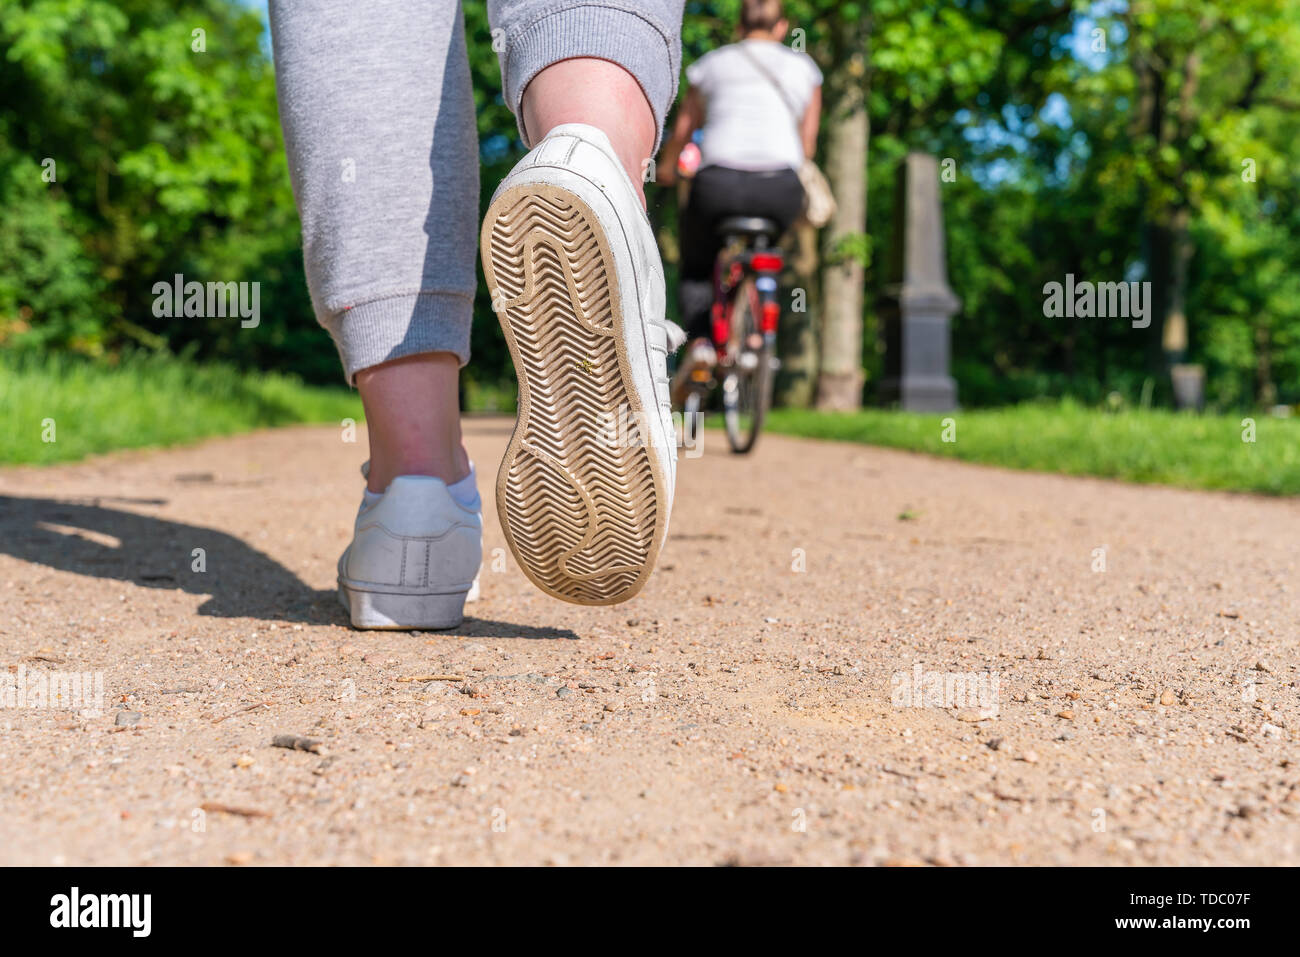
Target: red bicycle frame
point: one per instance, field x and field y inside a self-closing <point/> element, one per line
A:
<point x="727" y="277"/>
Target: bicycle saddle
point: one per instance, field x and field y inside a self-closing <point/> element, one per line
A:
<point x="749" y="226"/>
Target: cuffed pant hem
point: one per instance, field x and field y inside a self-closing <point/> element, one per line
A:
<point x="646" y="49"/>
<point x="395" y="326"/>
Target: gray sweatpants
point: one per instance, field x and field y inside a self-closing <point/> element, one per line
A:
<point x="379" y="124"/>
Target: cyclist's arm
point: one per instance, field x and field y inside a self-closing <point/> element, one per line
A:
<point x="690" y="117"/>
<point x="812" y="118"/>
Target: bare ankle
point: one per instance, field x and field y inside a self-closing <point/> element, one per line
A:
<point x="600" y="94"/>
<point x="413" y="418"/>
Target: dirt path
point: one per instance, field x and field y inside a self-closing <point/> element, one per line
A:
<point x="739" y="710"/>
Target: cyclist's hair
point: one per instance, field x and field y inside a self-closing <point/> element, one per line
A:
<point x="760" y="14"/>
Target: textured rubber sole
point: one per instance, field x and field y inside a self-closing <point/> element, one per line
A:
<point x="579" y="488"/>
<point x="381" y="610"/>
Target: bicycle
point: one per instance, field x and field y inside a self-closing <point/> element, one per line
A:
<point x="743" y="329"/>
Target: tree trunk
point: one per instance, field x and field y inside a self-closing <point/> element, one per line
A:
<point x="1265" y="388"/>
<point x="1170" y="248"/>
<point x="839" y="386"/>
<point x="1175" y="331"/>
<point x="797" y="333"/>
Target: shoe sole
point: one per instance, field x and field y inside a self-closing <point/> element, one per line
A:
<point x="375" y="610"/>
<point x="580" y="511"/>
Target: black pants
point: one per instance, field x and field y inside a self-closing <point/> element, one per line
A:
<point x="716" y="193"/>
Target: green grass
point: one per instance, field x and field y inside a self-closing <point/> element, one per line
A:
<point x="1168" y="448"/>
<point x="145" y="400"/>
<point x="151" y="400"/>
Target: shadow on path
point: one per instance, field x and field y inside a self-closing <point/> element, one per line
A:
<point x="82" y="536"/>
<point x="487" y="628"/>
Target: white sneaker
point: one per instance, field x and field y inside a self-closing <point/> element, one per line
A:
<point x="586" y="485"/>
<point x="414" y="558"/>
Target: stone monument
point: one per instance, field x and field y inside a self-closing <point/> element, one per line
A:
<point x="918" y="303"/>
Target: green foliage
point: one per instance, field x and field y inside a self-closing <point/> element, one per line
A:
<point x="88" y="407"/>
<point x="44" y="271"/>
<point x="168" y="159"/>
<point x="1153" y="447"/>
<point x="1060" y="169"/>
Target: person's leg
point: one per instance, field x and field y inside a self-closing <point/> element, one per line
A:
<point x="413" y="418"/>
<point x="611" y="66"/>
<point x="379" y="127"/>
<point x="699" y="241"/>
<point x="378" y="118"/>
<point x="600" y="94"/>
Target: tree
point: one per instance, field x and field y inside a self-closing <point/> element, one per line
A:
<point x="1208" y="82"/>
<point x="160" y="121"/>
<point x="839" y="383"/>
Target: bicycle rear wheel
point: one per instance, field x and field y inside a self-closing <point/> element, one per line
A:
<point x="747" y="386"/>
<point x="693" y="415"/>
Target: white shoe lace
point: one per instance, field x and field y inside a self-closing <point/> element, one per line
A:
<point x="676" y="334"/>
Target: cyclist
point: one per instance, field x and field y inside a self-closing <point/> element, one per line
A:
<point x="744" y="99"/>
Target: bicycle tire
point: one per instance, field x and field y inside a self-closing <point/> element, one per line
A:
<point x="746" y="393"/>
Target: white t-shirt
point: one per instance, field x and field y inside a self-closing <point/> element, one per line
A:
<point x="747" y="125"/>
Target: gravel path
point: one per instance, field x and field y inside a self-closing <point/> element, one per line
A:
<point x="751" y="706"/>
